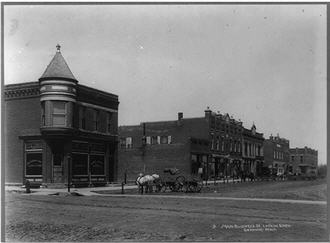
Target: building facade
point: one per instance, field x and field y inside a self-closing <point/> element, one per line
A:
<point x="153" y="146"/>
<point x="211" y="144"/>
<point x="58" y="130"/>
<point x="276" y="154"/>
<point x="302" y="160"/>
<point x="252" y="152"/>
<point x="225" y="135"/>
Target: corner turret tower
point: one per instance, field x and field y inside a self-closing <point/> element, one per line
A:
<point x="57" y="96"/>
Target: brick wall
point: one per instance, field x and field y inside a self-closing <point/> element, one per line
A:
<point x="156" y="158"/>
<point x="308" y="156"/>
<point x="22" y="117"/>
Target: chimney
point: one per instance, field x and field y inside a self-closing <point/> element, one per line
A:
<point x="208" y="113"/>
<point x="180" y="116"/>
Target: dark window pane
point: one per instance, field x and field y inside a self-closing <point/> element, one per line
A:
<point x="97" y="164"/>
<point x="79" y="164"/>
<point x="34" y="164"/>
<point x="154" y="140"/>
<point x="163" y="140"/>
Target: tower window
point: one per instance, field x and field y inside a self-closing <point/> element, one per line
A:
<point x="43" y="119"/>
<point x="59" y="113"/>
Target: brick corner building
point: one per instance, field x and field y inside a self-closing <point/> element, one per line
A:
<point x="55" y="127"/>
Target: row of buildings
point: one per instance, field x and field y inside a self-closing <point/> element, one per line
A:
<point x="57" y="129"/>
<point x="216" y="144"/>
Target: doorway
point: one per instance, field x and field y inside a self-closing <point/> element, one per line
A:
<point x="58" y="167"/>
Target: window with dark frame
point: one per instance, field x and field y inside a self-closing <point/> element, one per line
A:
<point x="96" y="117"/>
<point x="123" y="142"/>
<point x="154" y="140"/>
<point x="97" y="164"/>
<point x="59" y="113"/>
<point x="33" y="158"/>
<point x="109" y="116"/>
<point x="79" y="163"/>
<point x="82" y="117"/>
<point x="164" y="140"/>
<point x="43" y="120"/>
<point x="129" y="142"/>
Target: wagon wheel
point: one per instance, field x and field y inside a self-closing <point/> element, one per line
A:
<point x="158" y="185"/>
<point x="191" y="186"/>
<point x="171" y="185"/>
<point x="163" y="186"/>
<point x="198" y="184"/>
<point x="179" y="183"/>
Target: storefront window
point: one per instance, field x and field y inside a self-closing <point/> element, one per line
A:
<point x="79" y="164"/>
<point x="33" y="163"/>
<point x="97" y="164"/>
<point x="33" y="158"/>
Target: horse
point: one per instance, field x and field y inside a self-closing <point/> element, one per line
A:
<point x="147" y="181"/>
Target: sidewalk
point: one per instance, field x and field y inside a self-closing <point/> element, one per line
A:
<point x="86" y="191"/>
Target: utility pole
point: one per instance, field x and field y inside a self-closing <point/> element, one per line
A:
<point x="144" y="139"/>
<point x="69" y="171"/>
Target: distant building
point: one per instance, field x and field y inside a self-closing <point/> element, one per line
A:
<point x="302" y="159"/>
<point x="276" y="153"/>
<point x="253" y="155"/>
<point x="211" y="144"/>
<point x="54" y="121"/>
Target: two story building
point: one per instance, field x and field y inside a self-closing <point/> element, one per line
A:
<point x="57" y="129"/>
<point x="302" y="160"/>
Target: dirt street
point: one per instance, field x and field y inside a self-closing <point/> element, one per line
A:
<point x="98" y="218"/>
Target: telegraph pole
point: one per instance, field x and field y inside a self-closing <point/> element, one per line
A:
<point x="69" y="171"/>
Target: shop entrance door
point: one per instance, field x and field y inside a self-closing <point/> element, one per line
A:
<point x="58" y="168"/>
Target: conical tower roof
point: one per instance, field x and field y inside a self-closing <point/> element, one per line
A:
<point x="57" y="68"/>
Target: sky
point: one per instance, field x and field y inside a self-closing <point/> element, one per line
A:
<point x="260" y="63"/>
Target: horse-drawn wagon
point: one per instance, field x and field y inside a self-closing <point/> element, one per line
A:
<point x="173" y="180"/>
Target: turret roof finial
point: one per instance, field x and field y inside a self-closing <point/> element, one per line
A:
<point x="58" y="47"/>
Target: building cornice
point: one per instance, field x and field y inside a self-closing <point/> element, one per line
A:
<point x="21" y="91"/>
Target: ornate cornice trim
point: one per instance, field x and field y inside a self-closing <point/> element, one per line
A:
<point x="21" y="92"/>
